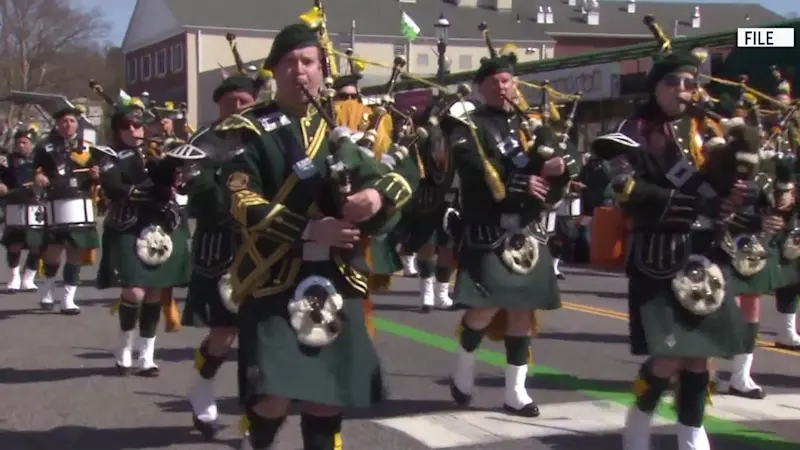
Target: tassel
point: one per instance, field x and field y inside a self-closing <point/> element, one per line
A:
<point x="169" y="307"/>
<point x="366" y="305"/>
<point x="88" y="257"/>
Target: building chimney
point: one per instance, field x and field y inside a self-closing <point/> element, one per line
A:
<point x="572" y="2"/>
<point x="631" y="6"/>
<point x="540" y="15"/>
<point x="593" y="14"/>
<point x="548" y="16"/>
<point x="696" y="17"/>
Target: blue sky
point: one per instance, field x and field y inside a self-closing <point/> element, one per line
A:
<point x="119" y="11"/>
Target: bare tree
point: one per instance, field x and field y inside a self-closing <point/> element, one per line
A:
<point x="49" y="46"/>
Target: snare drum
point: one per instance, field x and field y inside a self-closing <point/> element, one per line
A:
<point x="570" y="207"/>
<point x="23" y="215"/>
<point x="77" y="212"/>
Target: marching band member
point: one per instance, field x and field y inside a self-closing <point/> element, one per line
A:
<point x="145" y="236"/>
<point x="18" y="171"/>
<point x="57" y="161"/>
<point x="291" y="257"/>
<point x="213" y="245"/>
<point x="347" y="87"/>
<point x="786" y="297"/>
<point x="432" y="247"/>
<point x="679" y="310"/>
<point x="504" y="268"/>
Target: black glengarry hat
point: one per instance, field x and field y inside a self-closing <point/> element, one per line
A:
<point x="292" y="37"/>
<point x="500" y="64"/>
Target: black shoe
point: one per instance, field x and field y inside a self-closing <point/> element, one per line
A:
<point x="459" y="397"/>
<point x="123" y="371"/>
<point x="208" y="430"/>
<point x="425" y="309"/>
<point x="529" y="410"/>
<point x="151" y="372"/>
<point x="47" y="306"/>
<point x="71" y="312"/>
<point x="561" y="276"/>
<point x="753" y="394"/>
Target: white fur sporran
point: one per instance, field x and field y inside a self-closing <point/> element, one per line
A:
<point x="520" y="253"/>
<point x="791" y="247"/>
<point x="699" y="286"/>
<point x="314" y="312"/>
<point x="154" y="246"/>
<point x="748" y="255"/>
<point x="225" y="289"/>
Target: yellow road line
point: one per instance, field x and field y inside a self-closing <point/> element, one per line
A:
<point x="619" y="315"/>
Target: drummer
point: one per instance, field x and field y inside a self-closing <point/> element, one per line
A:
<point x="57" y="160"/>
<point x="18" y="172"/>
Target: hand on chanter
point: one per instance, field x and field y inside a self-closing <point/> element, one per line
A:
<point x="554" y="167"/>
<point x="735" y="199"/>
<point x="332" y="232"/>
<point x="538" y="187"/>
<point x="41" y="180"/>
<point x="362" y="206"/>
<point x="787" y="201"/>
<point x="772" y="224"/>
<point x="3" y="189"/>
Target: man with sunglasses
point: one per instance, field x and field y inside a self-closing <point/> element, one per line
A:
<point x="346" y="87"/>
<point x="663" y="186"/>
<point x="296" y="231"/>
<point x="214" y="243"/>
<point x="63" y="162"/>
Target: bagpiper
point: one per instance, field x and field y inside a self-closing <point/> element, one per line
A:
<point x="214" y="243"/>
<point x="299" y="299"/>
<point x="23" y="231"/>
<point x="786" y="297"/>
<point x="510" y="175"/>
<point x="67" y="170"/>
<point x="145" y="234"/>
<point x="680" y="311"/>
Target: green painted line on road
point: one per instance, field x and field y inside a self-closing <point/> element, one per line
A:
<point x="714" y="426"/>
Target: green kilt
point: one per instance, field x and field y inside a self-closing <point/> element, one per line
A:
<point x="790" y="269"/>
<point x="212" y="253"/>
<point x="660" y="326"/>
<point x="31" y="239"/>
<point x="82" y="238"/>
<point x="345" y="373"/>
<point x="484" y="281"/>
<point x="765" y="281"/>
<point x="120" y="267"/>
<point x="383" y="256"/>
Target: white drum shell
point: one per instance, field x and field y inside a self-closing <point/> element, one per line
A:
<point x="70" y="212"/>
<point x="24" y="216"/>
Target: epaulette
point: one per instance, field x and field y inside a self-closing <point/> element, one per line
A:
<point x="237" y="122"/>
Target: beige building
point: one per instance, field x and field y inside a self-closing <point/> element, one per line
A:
<point x="174" y="48"/>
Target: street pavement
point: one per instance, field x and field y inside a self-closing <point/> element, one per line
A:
<point x="59" y="390"/>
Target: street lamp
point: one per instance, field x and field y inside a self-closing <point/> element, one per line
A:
<point x="441" y="26"/>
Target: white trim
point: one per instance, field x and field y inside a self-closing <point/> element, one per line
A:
<point x="161" y="55"/>
<point x="131" y="63"/>
<point x="149" y="58"/>
<point x="181" y="59"/>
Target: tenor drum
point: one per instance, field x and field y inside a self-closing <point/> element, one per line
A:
<point x="77" y="212"/>
<point x="21" y="215"/>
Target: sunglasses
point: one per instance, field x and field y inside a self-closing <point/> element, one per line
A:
<point x="675" y="80"/>
<point x="128" y="124"/>
<point x="347" y="96"/>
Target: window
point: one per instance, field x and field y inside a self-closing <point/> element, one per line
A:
<point x="132" y="74"/>
<point x="161" y="63"/>
<point x="177" y="58"/>
<point x="465" y="62"/>
<point x="399" y="49"/>
<point x="422" y="60"/>
<point x="146" y="67"/>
